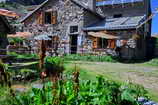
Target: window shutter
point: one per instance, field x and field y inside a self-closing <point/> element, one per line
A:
<point x="40" y="18"/>
<point x="54" y="17"/>
<point x="113" y="44"/>
<point x="95" y="42"/>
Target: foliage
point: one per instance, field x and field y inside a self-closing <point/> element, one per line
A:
<point x="5" y="97"/>
<point x="54" y="65"/>
<point x="23" y="56"/>
<point x="2" y="4"/>
<point x="100" y="92"/>
<point x="91" y="58"/>
<point x="4" y="75"/>
<point x="15" y="40"/>
<point x="153" y="62"/>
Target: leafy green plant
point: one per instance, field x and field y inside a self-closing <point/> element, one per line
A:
<point x="100" y="92"/>
<point x="54" y="65"/>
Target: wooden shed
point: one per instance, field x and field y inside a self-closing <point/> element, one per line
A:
<point x="5" y="28"/>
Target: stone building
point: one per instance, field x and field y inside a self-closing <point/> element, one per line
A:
<point x="95" y="26"/>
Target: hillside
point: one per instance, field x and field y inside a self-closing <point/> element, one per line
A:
<point x="16" y="7"/>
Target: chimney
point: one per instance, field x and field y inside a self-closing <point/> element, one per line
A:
<point x="147" y="7"/>
<point x="147" y="4"/>
<point x="92" y="5"/>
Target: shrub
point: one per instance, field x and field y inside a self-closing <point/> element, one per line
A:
<point x="4" y="75"/>
<point x="93" y="58"/>
<point x="153" y="62"/>
<point x="54" y="65"/>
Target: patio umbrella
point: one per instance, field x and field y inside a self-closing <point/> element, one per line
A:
<point x="25" y="35"/>
<point x="42" y="37"/>
<point x="102" y="35"/>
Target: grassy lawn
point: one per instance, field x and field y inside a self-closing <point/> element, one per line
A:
<point x="142" y="74"/>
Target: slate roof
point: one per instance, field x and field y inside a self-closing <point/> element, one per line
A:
<point x="8" y="13"/>
<point x="116" y="23"/>
<point x="80" y="4"/>
<point x="114" y="2"/>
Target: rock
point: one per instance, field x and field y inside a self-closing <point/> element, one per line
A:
<point x="149" y="103"/>
<point x="38" y="86"/>
<point x="142" y="100"/>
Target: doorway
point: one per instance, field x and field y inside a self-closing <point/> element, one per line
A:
<point x="73" y="44"/>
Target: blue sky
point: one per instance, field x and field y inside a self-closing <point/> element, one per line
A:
<point x="154" y="4"/>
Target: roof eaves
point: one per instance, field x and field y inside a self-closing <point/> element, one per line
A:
<point x="31" y="13"/>
<point x="118" y="2"/>
<point x="121" y="27"/>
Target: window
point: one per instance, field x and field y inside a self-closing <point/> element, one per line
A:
<point x="73" y="29"/>
<point x="102" y="43"/>
<point x="117" y="15"/>
<point x="50" y="17"/>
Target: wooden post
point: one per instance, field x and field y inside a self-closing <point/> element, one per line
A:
<point x="42" y="53"/>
